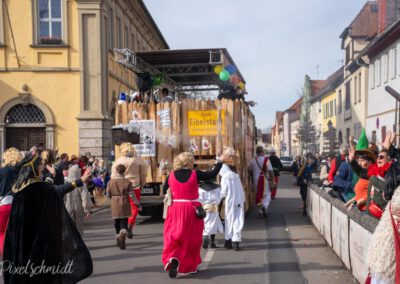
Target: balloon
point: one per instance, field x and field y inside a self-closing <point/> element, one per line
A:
<point x="231" y="69"/>
<point x="241" y="85"/>
<point x="224" y="75"/>
<point x="158" y="80"/>
<point x="235" y="79"/>
<point x="218" y="69"/>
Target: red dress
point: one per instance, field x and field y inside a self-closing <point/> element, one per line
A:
<point x="183" y="230"/>
<point x="5" y="211"/>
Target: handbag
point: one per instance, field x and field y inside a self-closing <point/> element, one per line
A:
<point x="200" y="212"/>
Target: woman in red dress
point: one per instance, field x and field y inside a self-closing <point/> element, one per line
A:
<point x="183" y="230"/>
<point x="8" y="174"/>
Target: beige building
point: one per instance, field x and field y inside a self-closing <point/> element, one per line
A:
<point x="58" y="79"/>
<point x="352" y="93"/>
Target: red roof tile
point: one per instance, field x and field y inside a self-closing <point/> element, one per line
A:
<point x="296" y="106"/>
<point x="366" y="22"/>
<point x="316" y="86"/>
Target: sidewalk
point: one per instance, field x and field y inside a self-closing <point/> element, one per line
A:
<point x="297" y="253"/>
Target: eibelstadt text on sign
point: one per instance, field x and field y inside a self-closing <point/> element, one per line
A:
<point x="205" y="122"/>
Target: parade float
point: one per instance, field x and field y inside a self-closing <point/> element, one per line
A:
<point x="192" y="120"/>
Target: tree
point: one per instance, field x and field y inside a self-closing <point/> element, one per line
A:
<point x="307" y="134"/>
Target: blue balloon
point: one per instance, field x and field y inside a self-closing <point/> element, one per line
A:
<point x="231" y="69"/>
<point x="122" y="96"/>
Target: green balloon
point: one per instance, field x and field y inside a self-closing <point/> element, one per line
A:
<point x="224" y="75"/>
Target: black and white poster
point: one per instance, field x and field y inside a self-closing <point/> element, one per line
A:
<point x="146" y="131"/>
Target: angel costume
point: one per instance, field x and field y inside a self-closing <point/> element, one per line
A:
<point x="232" y="190"/>
<point x="210" y="197"/>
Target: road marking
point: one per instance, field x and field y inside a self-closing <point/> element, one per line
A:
<point x="207" y="258"/>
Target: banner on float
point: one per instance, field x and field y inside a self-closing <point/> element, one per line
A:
<point x="325" y="220"/>
<point x="340" y="235"/>
<point x="315" y="210"/>
<point x="359" y="240"/>
<point x="146" y="130"/>
<point x="205" y="122"/>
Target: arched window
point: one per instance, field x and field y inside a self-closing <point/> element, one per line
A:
<point x="21" y="114"/>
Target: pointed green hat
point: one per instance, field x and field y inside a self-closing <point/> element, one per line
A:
<point x="362" y="147"/>
<point x="362" y="143"/>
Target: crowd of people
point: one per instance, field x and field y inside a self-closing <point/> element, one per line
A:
<point x="365" y="178"/>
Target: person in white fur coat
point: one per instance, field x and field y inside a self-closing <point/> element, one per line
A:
<point x="210" y="197"/>
<point x="232" y="190"/>
<point x="381" y="257"/>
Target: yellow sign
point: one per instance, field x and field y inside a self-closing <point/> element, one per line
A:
<point x="205" y="122"/>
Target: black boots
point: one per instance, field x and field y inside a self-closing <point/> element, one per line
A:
<point x="206" y="242"/>
<point x="173" y="270"/>
<point x="130" y="234"/>
<point x="228" y="244"/>
<point x="213" y="245"/>
<point x="236" y="246"/>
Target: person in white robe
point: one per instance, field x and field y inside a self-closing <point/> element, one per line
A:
<point x="210" y="197"/>
<point x="232" y="190"/>
<point x="78" y="202"/>
<point x="263" y="175"/>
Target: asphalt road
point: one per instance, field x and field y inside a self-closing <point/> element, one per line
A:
<point x="284" y="248"/>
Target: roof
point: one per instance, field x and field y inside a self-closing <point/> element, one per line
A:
<point x="316" y="86"/>
<point x="150" y="17"/>
<point x="387" y="38"/>
<point x="296" y="106"/>
<point x="189" y="67"/>
<point x="365" y="24"/>
<point x="279" y="116"/>
<point x="331" y="83"/>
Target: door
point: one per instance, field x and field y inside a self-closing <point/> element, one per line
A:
<point x="25" y="138"/>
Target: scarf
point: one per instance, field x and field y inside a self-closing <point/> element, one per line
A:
<point x="374" y="170"/>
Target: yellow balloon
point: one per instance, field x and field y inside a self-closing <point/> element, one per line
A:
<point x="218" y="69"/>
<point x="241" y="85"/>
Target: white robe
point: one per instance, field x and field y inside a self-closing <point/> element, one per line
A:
<point x="255" y="168"/>
<point x="212" y="222"/>
<point x="232" y="190"/>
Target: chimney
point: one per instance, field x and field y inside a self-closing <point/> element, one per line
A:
<point x="389" y="12"/>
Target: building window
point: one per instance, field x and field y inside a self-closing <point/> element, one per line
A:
<point x="111" y="29"/>
<point x="348" y="96"/>
<point x="378" y="72"/>
<point x="347" y="134"/>
<point x="386" y="67"/>
<point x="119" y="32"/>
<point x="132" y="42"/>
<point x="355" y="90"/>
<point x="340" y="102"/>
<point x="50" y="21"/>
<point x="372" y="76"/>
<point x="126" y="37"/>
<point x="334" y="106"/>
<point x="394" y="60"/>
<point x="359" y="88"/>
<point x="374" y="136"/>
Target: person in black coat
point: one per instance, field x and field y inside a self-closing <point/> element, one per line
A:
<point x="277" y="167"/>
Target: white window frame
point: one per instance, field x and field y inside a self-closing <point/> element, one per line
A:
<point x="378" y="71"/>
<point x="372" y="76"/>
<point x="385" y="67"/>
<point x="63" y="20"/>
<point x="394" y="63"/>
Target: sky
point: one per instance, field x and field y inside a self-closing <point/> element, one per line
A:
<point x="273" y="43"/>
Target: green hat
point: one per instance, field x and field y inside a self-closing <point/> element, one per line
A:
<point x="363" y="148"/>
<point x="362" y="143"/>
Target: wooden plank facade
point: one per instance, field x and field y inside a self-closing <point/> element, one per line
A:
<point x="239" y="134"/>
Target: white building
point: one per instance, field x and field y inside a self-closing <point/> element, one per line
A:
<point x="384" y="57"/>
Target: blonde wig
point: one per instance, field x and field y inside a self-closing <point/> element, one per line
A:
<point x="11" y="157"/>
<point x="127" y="149"/>
<point x="183" y="160"/>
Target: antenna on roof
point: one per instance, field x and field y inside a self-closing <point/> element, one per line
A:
<point x="317" y="67"/>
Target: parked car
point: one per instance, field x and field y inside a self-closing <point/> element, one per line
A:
<point x="287" y="163"/>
